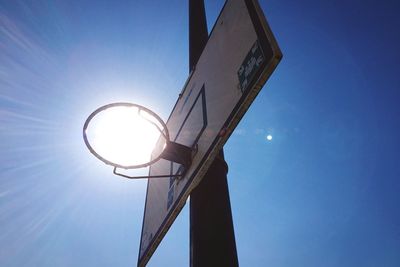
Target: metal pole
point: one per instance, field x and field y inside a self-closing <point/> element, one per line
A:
<point x="212" y="238"/>
<point x="198" y="33"/>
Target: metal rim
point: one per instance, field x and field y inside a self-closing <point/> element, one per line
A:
<point x="164" y="132"/>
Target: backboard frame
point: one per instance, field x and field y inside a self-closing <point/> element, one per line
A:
<point x="272" y="55"/>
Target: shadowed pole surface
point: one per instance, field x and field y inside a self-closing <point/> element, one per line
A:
<point x="212" y="239"/>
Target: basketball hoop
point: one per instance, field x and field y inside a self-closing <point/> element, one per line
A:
<point x="130" y="112"/>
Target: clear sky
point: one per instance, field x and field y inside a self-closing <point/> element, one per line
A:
<point x="323" y="192"/>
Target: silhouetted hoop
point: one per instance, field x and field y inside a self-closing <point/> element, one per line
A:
<point x="164" y="132"/>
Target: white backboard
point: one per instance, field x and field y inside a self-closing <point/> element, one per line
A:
<point x="240" y="55"/>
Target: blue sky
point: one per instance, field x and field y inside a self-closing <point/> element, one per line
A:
<point x="323" y="192"/>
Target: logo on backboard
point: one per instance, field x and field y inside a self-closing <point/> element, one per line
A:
<point x="250" y="66"/>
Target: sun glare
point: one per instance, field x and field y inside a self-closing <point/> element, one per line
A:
<point x="123" y="136"/>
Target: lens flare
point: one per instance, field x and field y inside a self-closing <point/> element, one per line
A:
<point x="123" y="135"/>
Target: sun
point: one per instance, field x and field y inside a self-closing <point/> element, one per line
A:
<point x="123" y="135"/>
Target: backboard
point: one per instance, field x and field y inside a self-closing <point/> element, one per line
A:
<point x="240" y="55"/>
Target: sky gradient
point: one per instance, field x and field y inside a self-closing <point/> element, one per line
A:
<point x="323" y="192"/>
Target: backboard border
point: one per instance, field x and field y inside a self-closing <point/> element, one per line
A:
<point x="266" y="39"/>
